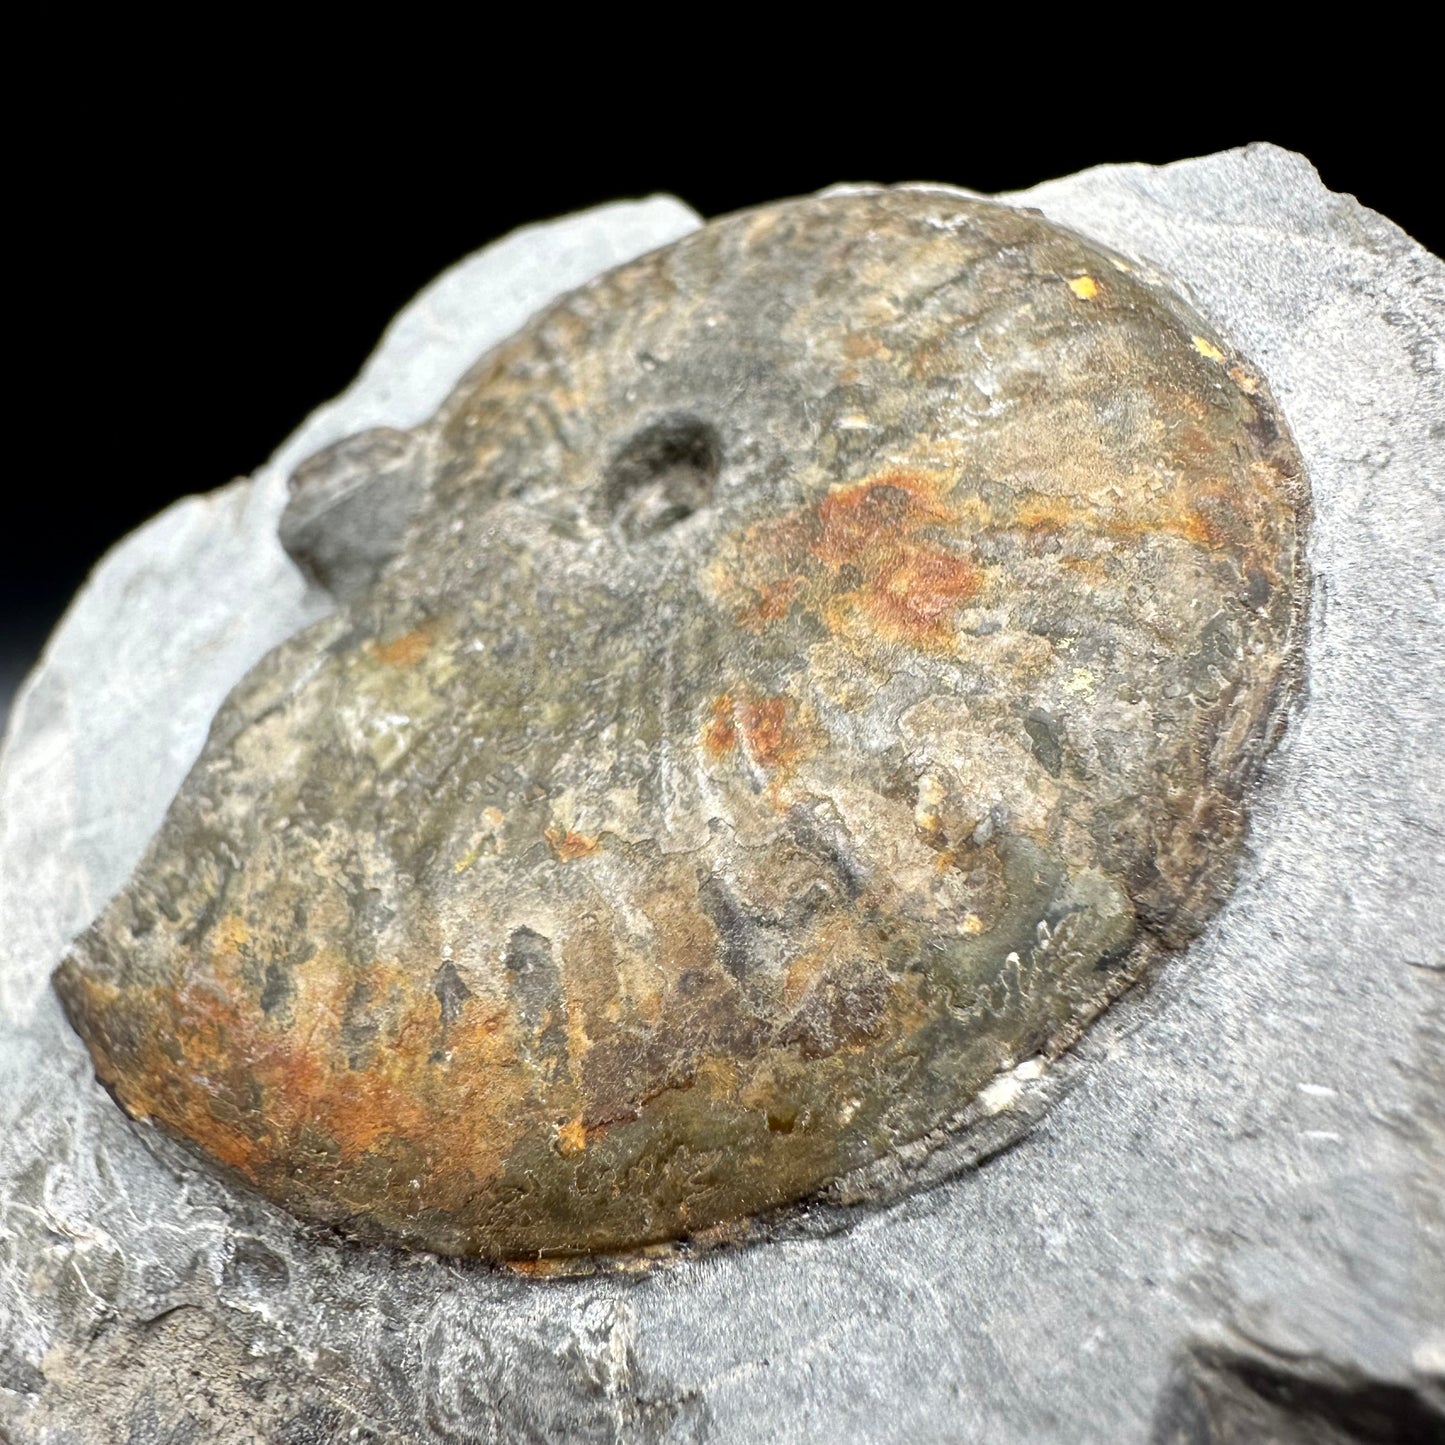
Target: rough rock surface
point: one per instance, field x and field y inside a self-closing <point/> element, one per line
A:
<point x="1231" y="1216"/>
<point x="823" y="667"/>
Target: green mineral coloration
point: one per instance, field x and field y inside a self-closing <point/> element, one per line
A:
<point x="825" y="662"/>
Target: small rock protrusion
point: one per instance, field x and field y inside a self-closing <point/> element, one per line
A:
<point x="349" y="508"/>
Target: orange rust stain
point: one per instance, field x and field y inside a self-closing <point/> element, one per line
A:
<point x="858" y="518"/>
<point x="767" y="729"/>
<point x="406" y="650"/>
<point x="286" y="1077"/>
<point x="250" y="1090"/>
<point x="1196" y="527"/>
<point x="539" y="1268"/>
<point x="915" y="598"/>
<point x="867" y="558"/>
<point x="571" y="1138"/>
<point x="569" y="846"/>
<point x="272" y="1098"/>
<point x="767" y="733"/>
<point x="719" y="732"/>
<point x="1087" y="567"/>
<point x="910" y="584"/>
<point x="1059" y="515"/>
<point x="774" y="600"/>
<point x="1047" y="516"/>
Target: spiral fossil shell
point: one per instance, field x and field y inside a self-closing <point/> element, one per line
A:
<point x="824" y="661"/>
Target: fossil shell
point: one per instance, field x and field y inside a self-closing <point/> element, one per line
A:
<point x="825" y="660"/>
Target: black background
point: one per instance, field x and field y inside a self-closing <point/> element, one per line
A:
<point x="207" y="260"/>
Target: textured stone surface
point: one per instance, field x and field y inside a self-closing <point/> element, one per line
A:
<point x="1239" y="1187"/>
<point x="826" y="661"/>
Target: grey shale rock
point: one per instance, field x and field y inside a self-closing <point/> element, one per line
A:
<point x="1231" y="1225"/>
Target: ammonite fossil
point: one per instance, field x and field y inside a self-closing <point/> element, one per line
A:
<point x="817" y="666"/>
